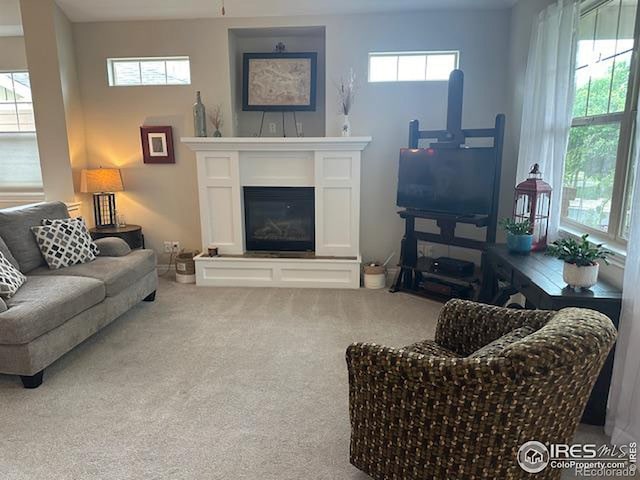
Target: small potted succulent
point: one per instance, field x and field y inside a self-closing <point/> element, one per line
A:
<point x="519" y="237"/>
<point x="579" y="256"/>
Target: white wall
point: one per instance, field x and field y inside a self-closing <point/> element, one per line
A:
<point x="163" y="198"/>
<point x="12" y="53"/>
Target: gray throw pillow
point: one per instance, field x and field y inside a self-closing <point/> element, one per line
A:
<point x="113" y="247"/>
<point x="3" y="306"/>
<point x="11" y="279"/>
<point x="64" y="244"/>
<point x="496" y="347"/>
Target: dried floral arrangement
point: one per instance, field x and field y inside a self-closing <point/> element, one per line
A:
<point x="215" y="117"/>
<point x="346" y="92"/>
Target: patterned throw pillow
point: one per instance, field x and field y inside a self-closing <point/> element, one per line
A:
<point x="11" y="279"/>
<point x="64" y="244"/>
<point x="496" y="347"/>
<point x="56" y="221"/>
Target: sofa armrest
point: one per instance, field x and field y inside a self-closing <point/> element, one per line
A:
<point x="112" y="247"/>
<point x="465" y="326"/>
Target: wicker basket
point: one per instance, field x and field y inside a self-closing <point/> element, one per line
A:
<point x="186" y="267"/>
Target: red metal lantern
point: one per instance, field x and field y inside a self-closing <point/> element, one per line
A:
<point x="533" y="203"/>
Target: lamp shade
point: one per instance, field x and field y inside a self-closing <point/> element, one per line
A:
<point x="97" y="180"/>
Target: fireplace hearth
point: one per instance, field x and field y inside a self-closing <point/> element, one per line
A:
<point x="280" y="219"/>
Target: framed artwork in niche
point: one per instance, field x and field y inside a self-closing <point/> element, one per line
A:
<point x="157" y="144"/>
<point x="280" y="82"/>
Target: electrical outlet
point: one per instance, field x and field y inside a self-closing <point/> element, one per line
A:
<point x="167" y="247"/>
<point x="272" y="128"/>
<point x="175" y="247"/>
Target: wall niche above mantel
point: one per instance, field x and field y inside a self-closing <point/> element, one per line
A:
<point x="264" y="40"/>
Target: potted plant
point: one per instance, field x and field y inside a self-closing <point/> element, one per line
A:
<point x="519" y="237"/>
<point x="579" y="256"/>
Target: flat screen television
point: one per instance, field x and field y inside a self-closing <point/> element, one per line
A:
<point x="456" y="181"/>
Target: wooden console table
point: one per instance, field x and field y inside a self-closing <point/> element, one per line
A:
<point x="539" y="278"/>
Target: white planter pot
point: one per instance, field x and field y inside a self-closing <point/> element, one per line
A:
<point x="580" y="277"/>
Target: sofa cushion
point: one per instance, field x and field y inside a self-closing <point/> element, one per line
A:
<point x="112" y="247"/>
<point x="15" y="229"/>
<point x="496" y="347"/>
<point x="11" y="279"/>
<point x="46" y="302"/>
<point x="117" y="273"/>
<point x="3" y="306"/>
<point x="4" y="250"/>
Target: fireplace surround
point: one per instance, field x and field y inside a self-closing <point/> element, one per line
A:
<point x="328" y="168"/>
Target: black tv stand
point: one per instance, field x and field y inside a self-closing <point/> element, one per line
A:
<point x="413" y="270"/>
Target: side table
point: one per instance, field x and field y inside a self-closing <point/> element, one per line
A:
<point x="539" y="278"/>
<point x="132" y="234"/>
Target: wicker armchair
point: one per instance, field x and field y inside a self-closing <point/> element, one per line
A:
<point x="428" y="411"/>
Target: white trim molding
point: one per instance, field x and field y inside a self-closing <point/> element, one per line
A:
<point x="277" y="144"/>
<point x="15" y="199"/>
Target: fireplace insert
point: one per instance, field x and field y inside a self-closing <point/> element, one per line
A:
<point x="279" y="219"/>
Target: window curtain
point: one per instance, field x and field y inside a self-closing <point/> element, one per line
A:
<point x="546" y="115"/>
<point x="623" y="415"/>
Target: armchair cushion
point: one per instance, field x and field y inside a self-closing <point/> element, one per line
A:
<point x="496" y="347"/>
<point x="465" y="326"/>
<point x="112" y="247"/>
<point x="431" y="348"/>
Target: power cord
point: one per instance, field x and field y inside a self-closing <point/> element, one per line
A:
<point x="171" y="260"/>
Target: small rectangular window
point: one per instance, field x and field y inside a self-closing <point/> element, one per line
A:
<point x="148" y="71"/>
<point x="412" y="66"/>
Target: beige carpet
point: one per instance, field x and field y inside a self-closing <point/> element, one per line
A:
<point x="206" y="383"/>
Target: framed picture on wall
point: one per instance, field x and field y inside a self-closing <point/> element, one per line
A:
<point x="280" y="82"/>
<point x="157" y="144"/>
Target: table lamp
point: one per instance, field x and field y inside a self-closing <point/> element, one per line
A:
<point x="102" y="182"/>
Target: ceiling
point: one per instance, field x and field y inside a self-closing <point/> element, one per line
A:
<point x="109" y="10"/>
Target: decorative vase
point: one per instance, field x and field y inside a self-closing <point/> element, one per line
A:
<point x="346" y="126"/>
<point x="217" y="133"/>
<point x="199" y="117"/>
<point x="519" y="243"/>
<point x="580" y="277"/>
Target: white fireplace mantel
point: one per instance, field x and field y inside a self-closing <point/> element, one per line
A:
<point x="276" y="144"/>
<point x="331" y="165"/>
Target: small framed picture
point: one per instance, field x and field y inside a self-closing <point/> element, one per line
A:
<point x="157" y="144"/>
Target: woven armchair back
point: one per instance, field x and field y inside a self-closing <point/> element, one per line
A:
<point x="417" y="417"/>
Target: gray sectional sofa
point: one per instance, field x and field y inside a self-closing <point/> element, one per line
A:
<point x="55" y="310"/>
